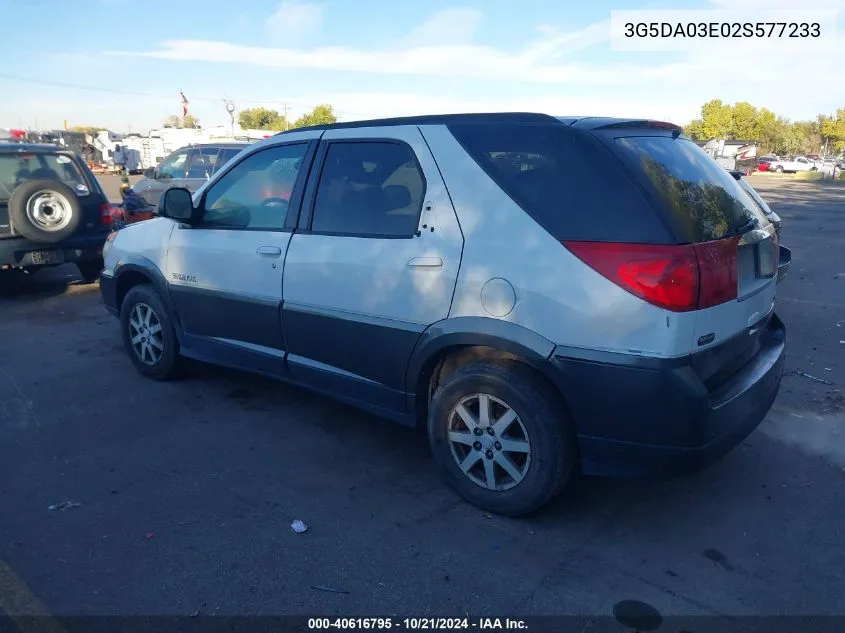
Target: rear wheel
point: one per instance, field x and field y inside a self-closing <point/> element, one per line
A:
<point x="501" y="438"/>
<point x="148" y="334"/>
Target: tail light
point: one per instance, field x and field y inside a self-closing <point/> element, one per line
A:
<point x="106" y="214"/>
<point x="679" y="278"/>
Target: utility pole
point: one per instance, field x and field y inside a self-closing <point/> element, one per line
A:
<point x="285" y="107"/>
<point x="230" y="108"/>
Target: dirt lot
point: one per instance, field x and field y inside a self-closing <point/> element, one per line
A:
<point x="187" y="489"/>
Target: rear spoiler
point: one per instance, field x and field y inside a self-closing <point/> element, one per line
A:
<point x="643" y="123"/>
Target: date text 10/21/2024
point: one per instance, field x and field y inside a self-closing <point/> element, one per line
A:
<point x="417" y="624"/>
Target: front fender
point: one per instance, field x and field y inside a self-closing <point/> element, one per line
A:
<point x="131" y="264"/>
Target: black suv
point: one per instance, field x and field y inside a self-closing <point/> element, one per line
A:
<point x="52" y="210"/>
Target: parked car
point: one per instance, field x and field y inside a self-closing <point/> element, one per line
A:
<point x="52" y="210"/>
<point x="792" y="165"/>
<point x="545" y="295"/>
<point x="188" y="167"/>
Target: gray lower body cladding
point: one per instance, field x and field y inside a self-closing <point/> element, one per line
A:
<point x="634" y="415"/>
<point x="656" y="416"/>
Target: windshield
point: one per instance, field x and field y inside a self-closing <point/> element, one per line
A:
<point x="17" y="168"/>
<point x="704" y="199"/>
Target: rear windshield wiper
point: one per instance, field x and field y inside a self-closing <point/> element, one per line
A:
<point x="752" y="223"/>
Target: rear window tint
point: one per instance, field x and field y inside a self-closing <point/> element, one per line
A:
<point x="19" y="167"/>
<point x="705" y="201"/>
<point x="570" y="184"/>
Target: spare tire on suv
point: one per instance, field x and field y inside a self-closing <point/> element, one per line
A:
<point x="45" y="211"/>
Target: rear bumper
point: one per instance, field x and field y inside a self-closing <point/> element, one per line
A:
<point x="18" y="251"/>
<point x="784" y="262"/>
<point x="656" y="416"/>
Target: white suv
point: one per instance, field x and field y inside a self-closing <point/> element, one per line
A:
<point x="546" y="295"/>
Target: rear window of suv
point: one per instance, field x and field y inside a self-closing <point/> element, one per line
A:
<point x="705" y="201"/>
<point x="16" y="168"/>
<point x="565" y="179"/>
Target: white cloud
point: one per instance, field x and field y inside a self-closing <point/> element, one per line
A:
<point x="548" y="67"/>
<point x="296" y="20"/>
<point x="366" y="105"/>
<point x="455" y="25"/>
<point x="553" y="44"/>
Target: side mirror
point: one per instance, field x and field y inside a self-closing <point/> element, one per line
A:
<point x="176" y="203"/>
<point x="150" y="172"/>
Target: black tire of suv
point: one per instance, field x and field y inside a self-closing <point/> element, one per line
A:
<point x="551" y="434"/>
<point x="169" y="365"/>
<point x="24" y="225"/>
<point x="90" y="270"/>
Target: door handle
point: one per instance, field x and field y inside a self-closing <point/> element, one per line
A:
<point x="269" y="251"/>
<point x="426" y="262"/>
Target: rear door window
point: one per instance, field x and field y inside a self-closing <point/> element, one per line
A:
<point x="704" y="200"/>
<point x="201" y="162"/>
<point x="371" y="188"/>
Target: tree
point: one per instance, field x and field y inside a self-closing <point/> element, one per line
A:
<point x="716" y="119"/>
<point x="323" y="114"/>
<point x="773" y="133"/>
<point x="833" y="129"/>
<point x="695" y="130"/>
<point x="261" y="119"/>
<point x="173" y="121"/>
<point x="86" y="129"/>
<point x="743" y="121"/>
<point x="768" y="129"/>
<point x="189" y="120"/>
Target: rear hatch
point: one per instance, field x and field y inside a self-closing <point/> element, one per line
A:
<point x="650" y="211"/>
<point x="735" y="244"/>
<point x="20" y="166"/>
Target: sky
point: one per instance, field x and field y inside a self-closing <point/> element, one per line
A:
<point x="122" y="63"/>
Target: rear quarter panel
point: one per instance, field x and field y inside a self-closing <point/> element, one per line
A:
<point x="556" y="295"/>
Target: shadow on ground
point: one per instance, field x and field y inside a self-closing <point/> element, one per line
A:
<point x="50" y="282"/>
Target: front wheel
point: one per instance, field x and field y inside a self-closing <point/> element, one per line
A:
<point x="148" y="334"/>
<point x="501" y="437"/>
<point x="778" y="169"/>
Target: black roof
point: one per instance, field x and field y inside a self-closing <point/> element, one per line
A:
<point x="32" y="148"/>
<point x="438" y="119"/>
<point x="586" y="122"/>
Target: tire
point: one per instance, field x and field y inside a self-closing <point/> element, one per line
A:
<point x="45" y="211"/>
<point x="544" y="470"/>
<point x="160" y="362"/>
<point x="779" y="169"/>
<point x="90" y="270"/>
